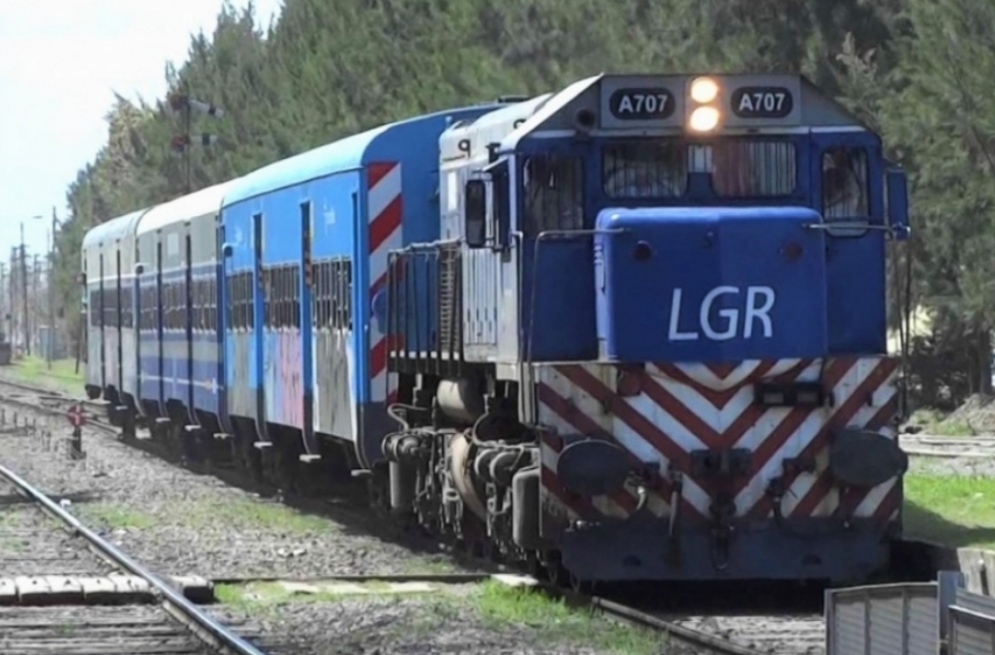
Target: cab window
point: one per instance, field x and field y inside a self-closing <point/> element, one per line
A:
<point x="753" y="168"/>
<point x="554" y="193"/>
<point x="844" y="183"/>
<point x="645" y="169"/>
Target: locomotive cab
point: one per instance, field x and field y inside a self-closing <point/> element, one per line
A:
<point x="651" y="343"/>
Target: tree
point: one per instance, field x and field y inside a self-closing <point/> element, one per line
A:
<point x="328" y="68"/>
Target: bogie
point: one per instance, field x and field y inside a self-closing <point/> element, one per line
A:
<point x="463" y="465"/>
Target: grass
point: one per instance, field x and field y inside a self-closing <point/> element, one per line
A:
<point x="953" y="429"/>
<point x="555" y="621"/>
<point x="957" y="511"/>
<point x="246" y="513"/>
<point x="14" y="545"/>
<point x="497" y="605"/>
<point x="937" y="423"/>
<point x="62" y="376"/>
<point x="235" y="514"/>
<point x="926" y="416"/>
<point x="118" y="516"/>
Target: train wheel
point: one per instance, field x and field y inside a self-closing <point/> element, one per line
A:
<point x="554" y="571"/>
<point x="533" y="564"/>
<point x="128" y="430"/>
<point x="251" y="459"/>
<point x="160" y="437"/>
<point x="580" y="586"/>
<point x="378" y="488"/>
<point x="177" y="449"/>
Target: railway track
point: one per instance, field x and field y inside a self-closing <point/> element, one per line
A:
<point x="924" y="445"/>
<point x="62" y="589"/>
<point x="794" y="635"/>
<point x="728" y="633"/>
<point x="127" y="630"/>
<point x="43" y="401"/>
<point x="32" y="545"/>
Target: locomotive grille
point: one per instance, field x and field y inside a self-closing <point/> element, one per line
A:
<point x="425" y="332"/>
<point x="450" y="308"/>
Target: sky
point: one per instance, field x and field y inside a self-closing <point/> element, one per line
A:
<point x="60" y="63"/>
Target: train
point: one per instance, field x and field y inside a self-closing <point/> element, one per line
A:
<point x="631" y="329"/>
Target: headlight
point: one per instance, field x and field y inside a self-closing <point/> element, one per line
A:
<point x="704" y="119"/>
<point x="704" y="90"/>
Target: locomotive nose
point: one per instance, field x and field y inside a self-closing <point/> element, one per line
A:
<point x="710" y="284"/>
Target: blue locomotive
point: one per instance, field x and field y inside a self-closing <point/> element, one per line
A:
<point x="631" y="330"/>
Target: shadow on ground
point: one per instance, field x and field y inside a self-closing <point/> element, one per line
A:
<point x="930" y="542"/>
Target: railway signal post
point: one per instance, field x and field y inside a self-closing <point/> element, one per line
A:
<point x="76" y="419"/>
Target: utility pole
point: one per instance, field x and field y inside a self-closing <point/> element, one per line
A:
<point x="24" y="289"/>
<point x="12" y="306"/>
<point x="35" y="290"/>
<point x="10" y="296"/>
<point x="51" y="292"/>
<point x="5" y="305"/>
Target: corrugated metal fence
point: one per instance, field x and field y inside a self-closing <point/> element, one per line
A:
<point x="925" y="618"/>
<point x="897" y="619"/>
<point x="972" y="624"/>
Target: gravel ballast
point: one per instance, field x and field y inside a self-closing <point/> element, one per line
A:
<point x="178" y="522"/>
<point x="32" y="543"/>
<point x="183" y="523"/>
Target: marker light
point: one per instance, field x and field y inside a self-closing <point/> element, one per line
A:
<point x="704" y="89"/>
<point x="704" y="119"/>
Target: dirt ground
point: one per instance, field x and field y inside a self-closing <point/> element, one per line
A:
<point x="975" y="417"/>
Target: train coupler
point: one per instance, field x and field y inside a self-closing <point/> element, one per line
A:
<point x="721" y="463"/>
<point x="723" y="511"/>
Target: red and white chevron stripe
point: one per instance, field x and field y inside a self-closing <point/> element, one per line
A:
<point x="662" y="413"/>
<point x="385" y="204"/>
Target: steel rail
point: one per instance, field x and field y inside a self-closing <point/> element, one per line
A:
<point x="93" y="420"/>
<point x="687" y="635"/>
<point x="41" y="391"/>
<point x="220" y="636"/>
<point x="948" y="454"/>
<point x="27" y="387"/>
<point x="644" y="619"/>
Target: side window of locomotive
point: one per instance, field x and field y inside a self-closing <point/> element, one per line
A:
<point x="554" y="193"/>
<point x="753" y="168"/>
<point x="501" y="190"/>
<point x="475" y="213"/>
<point x="844" y="183"/>
<point x="644" y="169"/>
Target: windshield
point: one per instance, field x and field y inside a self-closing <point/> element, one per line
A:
<point x="645" y="169"/>
<point x="740" y="168"/>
